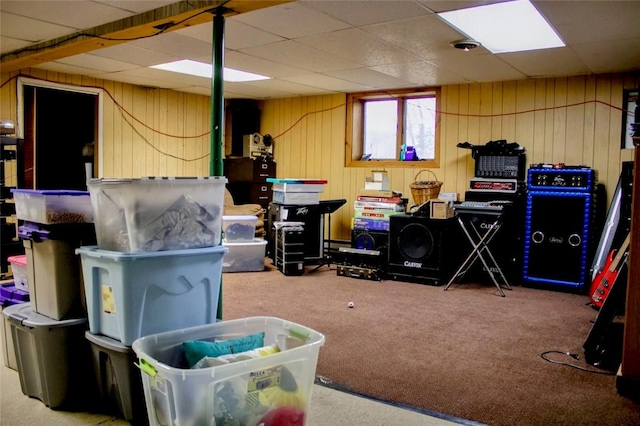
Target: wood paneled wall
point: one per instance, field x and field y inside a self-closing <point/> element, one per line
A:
<point x="147" y="131"/>
<point x="572" y="120"/>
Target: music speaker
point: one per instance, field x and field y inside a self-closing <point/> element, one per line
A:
<point x="558" y="238"/>
<point x="422" y="249"/>
<point x="369" y="240"/>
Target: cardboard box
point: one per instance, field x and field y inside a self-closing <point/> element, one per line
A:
<point x="379" y="180"/>
<point x="441" y="209"/>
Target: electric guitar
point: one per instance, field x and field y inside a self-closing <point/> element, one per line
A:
<point x="604" y="280"/>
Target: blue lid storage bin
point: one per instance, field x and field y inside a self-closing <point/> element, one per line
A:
<point x="53" y="206"/>
<point x="244" y="392"/>
<point x="130" y="295"/>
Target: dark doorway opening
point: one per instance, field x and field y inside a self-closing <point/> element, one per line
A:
<point x="64" y="128"/>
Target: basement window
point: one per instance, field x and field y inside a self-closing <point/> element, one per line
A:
<point x="395" y="128"/>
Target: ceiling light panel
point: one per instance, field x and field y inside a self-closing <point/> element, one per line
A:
<point x="513" y="26"/>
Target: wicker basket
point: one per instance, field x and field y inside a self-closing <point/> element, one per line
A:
<point x="424" y="191"/>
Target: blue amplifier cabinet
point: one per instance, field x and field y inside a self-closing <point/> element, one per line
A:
<point x="558" y="238"/>
<point x="567" y="178"/>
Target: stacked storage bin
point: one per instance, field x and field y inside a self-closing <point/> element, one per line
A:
<point x="246" y="253"/>
<point x="52" y="355"/>
<point x="10" y="295"/>
<point x="156" y="268"/>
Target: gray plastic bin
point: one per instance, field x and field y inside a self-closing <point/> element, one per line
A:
<point x="118" y="379"/>
<point x="53" y="358"/>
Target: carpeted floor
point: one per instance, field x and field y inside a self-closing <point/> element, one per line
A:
<point x="465" y="352"/>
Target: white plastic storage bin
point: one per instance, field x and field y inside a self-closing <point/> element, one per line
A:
<point x="53" y="206"/>
<point x="130" y="295"/>
<point x="153" y="214"/>
<point x="244" y="257"/>
<point x="52" y="356"/>
<point x="117" y="378"/>
<point x="53" y="267"/>
<point x="239" y="229"/>
<point x="247" y="392"/>
<point x="19" y="271"/>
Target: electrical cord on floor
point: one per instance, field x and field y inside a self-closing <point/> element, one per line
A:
<point x="574" y="356"/>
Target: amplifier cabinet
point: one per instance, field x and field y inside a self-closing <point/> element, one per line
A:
<point x="508" y="244"/>
<point x="558" y="238"/>
<point x="313" y="227"/>
<point x="289" y="250"/>
<point x="423" y="250"/>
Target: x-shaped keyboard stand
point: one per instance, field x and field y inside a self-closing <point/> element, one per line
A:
<point x="480" y="244"/>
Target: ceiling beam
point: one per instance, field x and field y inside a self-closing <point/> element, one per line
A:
<point x="164" y="19"/>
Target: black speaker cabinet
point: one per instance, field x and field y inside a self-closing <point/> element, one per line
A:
<point x="508" y="244"/>
<point x="313" y="227"/>
<point x="423" y="250"/>
<point x="558" y="238"/>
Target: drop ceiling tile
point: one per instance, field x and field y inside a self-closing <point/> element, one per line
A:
<point x="174" y="77"/>
<point x="422" y="73"/>
<point x="199" y="90"/>
<point x="547" y="62"/>
<point x="75" y="14"/>
<point x="477" y="67"/>
<point x="236" y="34"/>
<point x="8" y="44"/>
<point x="176" y="45"/>
<point x="68" y="69"/>
<point x="244" y="62"/>
<point x="136" y="6"/>
<point x="265" y="91"/>
<point x="89" y="61"/>
<point x="359" y="46"/>
<point x="291" y="20"/>
<point x="141" y="81"/>
<point x="424" y="36"/>
<point x="448" y="5"/>
<point x="127" y="52"/>
<point x="328" y="83"/>
<point x="365" y="12"/>
<point x="294" y="89"/>
<point x="28" y="29"/>
<point x="369" y="77"/>
<point x="298" y="55"/>
<point x="579" y="22"/>
<point x="610" y="56"/>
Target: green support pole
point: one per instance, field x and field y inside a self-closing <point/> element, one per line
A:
<point x="217" y="111"/>
<point x="217" y="96"/>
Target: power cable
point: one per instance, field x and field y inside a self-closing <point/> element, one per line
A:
<point x="574" y="356"/>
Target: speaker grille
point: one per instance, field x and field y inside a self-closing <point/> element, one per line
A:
<point x="415" y="242"/>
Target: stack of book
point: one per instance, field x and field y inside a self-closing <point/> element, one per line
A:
<point x="373" y="208"/>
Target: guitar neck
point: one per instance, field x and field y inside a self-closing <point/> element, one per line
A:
<point x="620" y="254"/>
